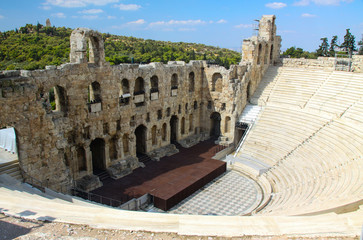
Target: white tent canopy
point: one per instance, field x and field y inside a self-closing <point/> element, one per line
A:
<point x="8" y="139"/>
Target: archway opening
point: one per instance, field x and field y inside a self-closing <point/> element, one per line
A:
<point x="173" y="128"/>
<point x="140" y="133"/>
<point x="217" y="82"/>
<point x="98" y="155"/>
<point x="215" y="130"/>
<point x="81" y="158"/>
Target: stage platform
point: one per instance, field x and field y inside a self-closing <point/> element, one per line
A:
<point x="170" y="180"/>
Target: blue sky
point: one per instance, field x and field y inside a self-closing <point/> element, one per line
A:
<point x="300" y="23"/>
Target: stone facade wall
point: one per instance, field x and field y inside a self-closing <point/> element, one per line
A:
<point x="327" y="63"/>
<point x="104" y="115"/>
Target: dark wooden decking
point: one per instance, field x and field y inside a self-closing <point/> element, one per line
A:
<point x="171" y="179"/>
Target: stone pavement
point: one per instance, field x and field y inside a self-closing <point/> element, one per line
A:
<point x="230" y="194"/>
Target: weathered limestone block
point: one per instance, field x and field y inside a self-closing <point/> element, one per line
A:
<point x="190" y="141"/>
<point x="123" y="167"/>
<point x="88" y="183"/>
<point x="163" y="151"/>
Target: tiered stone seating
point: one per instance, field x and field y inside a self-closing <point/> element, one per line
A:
<point x="339" y="92"/>
<point x="23" y="201"/>
<point x="313" y="139"/>
<point x="289" y="86"/>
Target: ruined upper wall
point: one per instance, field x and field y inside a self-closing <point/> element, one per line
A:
<point x="265" y="47"/>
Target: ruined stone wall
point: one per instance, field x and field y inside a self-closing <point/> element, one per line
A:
<point x="104" y="115"/>
<point x="325" y="63"/>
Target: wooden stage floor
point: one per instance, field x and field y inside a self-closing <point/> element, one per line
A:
<point x="171" y="179"/>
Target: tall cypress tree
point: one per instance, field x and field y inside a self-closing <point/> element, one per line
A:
<point x="349" y="43"/>
<point x="323" y="48"/>
<point x="333" y="45"/>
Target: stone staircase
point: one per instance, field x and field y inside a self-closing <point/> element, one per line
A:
<point x="143" y="158"/>
<point x="103" y="175"/>
<point x="11" y="168"/>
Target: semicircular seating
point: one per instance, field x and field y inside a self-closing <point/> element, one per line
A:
<point x="310" y="132"/>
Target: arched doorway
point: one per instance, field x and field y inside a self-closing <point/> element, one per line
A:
<point x="98" y="155"/>
<point x="215" y="130"/>
<point x="173" y="128"/>
<point x="140" y="133"/>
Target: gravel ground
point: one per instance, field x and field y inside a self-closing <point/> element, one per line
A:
<point x="16" y="228"/>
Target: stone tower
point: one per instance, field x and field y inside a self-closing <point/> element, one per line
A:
<point x="47" y="23"/>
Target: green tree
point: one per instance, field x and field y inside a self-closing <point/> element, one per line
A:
<point x="360" y="43"/>
<point x="333" y="45"/>
<point x="349" y="43"/>
<point x="323" y="48"/>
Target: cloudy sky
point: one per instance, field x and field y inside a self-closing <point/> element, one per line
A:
<point x="301" y="23"/>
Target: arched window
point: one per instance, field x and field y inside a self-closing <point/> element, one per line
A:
<point x="217" y="82"/>
<point x="81" y="159"/>
<point x="125" y="87"/>
<point x="94" y="92"/>
<point x="191" y="82"/>
<point x="153" y="135"/>
<point x="139" y="86"/>
<point x="154" y="84"/>
<point x="266" y="54"/>
<point x="227" y="124"/>
<point x="191" y="122"/>
<point x="271" y="53"/>
<point x="57" y="99"/>
<point x="163" y="132"/>
<point x="174" y="81"/>
<point x="259" y="54"/>
<point x="125" y="143"/>
<point x="124" y="92"/>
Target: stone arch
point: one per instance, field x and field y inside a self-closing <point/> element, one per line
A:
<point x="154" y="80"/>
<point x="153" y="135"/>
<point x="125" y="144"/>
<point x="191" y="81"/>
<point x="140" y="133"/>
<point x="191" y="122"/>
<point x="113" y="149"/>
<point x="227" y="124"/>
<point x="94" y="92"/>
<point x="57" y="99"/>
<point x="81" y="159"/>
<point x="271" y="53"/>
<point x="173" y="128"/>
<point x="80" y="39"/>
<point x="125" y="87"/>
<point x="259" y="54"/>
<point x="217" y="82"/>
<point x="98" y="155"/>
<point x="174" y="81"/>
<point x="139" y="86"/>
<point x="163" y="132"/>
<point x="182" y="127"/>
<point x="265" y="56"/>
<point x="215" y="124"/>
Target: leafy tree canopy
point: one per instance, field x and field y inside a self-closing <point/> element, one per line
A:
<point x="35" y="46"/>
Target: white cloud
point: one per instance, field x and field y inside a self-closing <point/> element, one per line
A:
<point x="308" y="15"/>
<point x="178" y="22"/>
<point x="222" y="21"/>
<point x="90" y="17"/>
<point x="244" y="26"/>
<point x="45" y="7"/>
<point x="321" y="2"/>
<point x="59" y="15"/>
<point x="128" y="7"/>
<point x="77" y="3"/>
<point x="1" y="17"/>
<point x="276" y="5"/>
<point x="137" y="22"/>
<point x="111" y="17"/>
<point x="91" y="11"/>
<point x="187" y="29"/>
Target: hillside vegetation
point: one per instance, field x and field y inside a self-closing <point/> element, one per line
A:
<point x="35" y="46"/>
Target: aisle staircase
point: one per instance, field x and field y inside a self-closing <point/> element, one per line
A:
<point x="11" y="168"/>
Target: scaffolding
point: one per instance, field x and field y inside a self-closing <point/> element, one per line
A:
<point x="343" y="62"/>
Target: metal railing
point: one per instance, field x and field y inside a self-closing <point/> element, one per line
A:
<point x="98" y="198"/>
